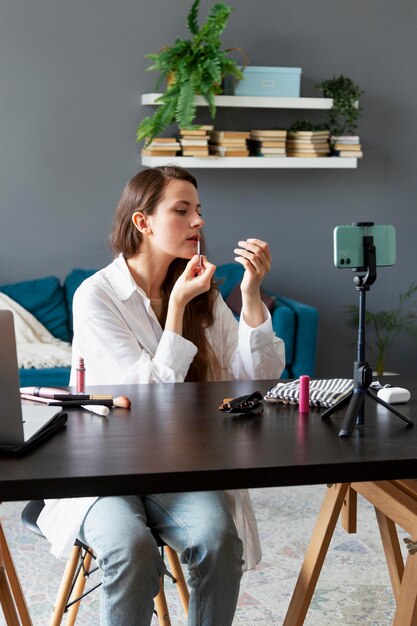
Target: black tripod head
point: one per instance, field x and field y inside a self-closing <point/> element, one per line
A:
<point x="367" y="273"/>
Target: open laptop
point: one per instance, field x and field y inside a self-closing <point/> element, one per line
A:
<point x="20" y="424"/>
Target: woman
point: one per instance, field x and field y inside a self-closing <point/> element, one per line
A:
<point x="155" y="315"/>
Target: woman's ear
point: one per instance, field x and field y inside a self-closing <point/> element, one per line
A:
<point x="140" y="222"/>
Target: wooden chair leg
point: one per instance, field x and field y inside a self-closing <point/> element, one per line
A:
<point x="315" y="555"/>
<point x="161" y="606"/>
<point x="392" y="550"/>
<point x="79" y="589"/>
<point x="13" y="583"/>
<point x="406" y="613"/>
<point x="64" y="588"/>
<point x="6" y="600"/>
<point x="176" y="570"/>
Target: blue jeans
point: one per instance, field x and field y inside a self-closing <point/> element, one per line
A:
<point x="197" y="525"/>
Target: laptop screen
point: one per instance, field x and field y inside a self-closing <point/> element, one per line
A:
<point x="18" y="424"/>
<point x="11" y="424"/>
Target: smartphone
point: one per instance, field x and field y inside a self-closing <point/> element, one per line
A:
<point x="348" y="245"/>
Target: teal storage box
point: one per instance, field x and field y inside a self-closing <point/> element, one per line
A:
<point x="269" y="81"/>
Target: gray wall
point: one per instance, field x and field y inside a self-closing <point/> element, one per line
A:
<point x="71" y="75"/>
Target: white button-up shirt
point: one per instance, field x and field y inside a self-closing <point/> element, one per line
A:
<point x="122" y="342"/>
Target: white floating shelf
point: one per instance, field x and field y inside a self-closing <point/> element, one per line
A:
<point x="259" y="102"/>
<point x="253" y="162"/>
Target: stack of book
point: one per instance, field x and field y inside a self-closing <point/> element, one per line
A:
<point x="195" y="142"/>
<point x="346" y="146"/>
<point x="162" y="146"/>
<point x="228" y="143"/>
<point x="267" y="143"/>
<point x="308" y="143"/>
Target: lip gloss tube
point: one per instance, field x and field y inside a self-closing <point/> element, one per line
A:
<point x="304" y="395"/>
<point x="81" y="375"/>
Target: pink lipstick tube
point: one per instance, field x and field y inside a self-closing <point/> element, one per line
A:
<point x="304" y="395"/>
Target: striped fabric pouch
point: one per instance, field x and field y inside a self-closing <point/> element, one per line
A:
<point x="323" y="393"/>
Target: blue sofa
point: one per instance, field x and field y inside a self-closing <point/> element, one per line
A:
<point x="51" y="303"/>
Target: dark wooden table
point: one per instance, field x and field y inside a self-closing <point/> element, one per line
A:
<point x="175" y="438"/>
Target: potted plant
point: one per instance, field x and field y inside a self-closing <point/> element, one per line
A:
<point x="343" y="116"/>
<point x="190" y="67"/>
<point x="385" y="325"/>
<point x="345" y="112"/>
<point x="306" y="125"/>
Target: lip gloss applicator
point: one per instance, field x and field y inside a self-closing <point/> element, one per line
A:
<point x="199" y="264"/>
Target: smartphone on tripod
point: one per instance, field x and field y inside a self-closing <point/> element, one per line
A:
<point x="362" y="247"/>
<point x="348" y="244"/>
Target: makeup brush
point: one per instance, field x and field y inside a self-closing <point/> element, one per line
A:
<point x="122" y="402"/>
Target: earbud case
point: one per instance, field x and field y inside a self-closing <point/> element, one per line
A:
<point x="394" y="395"/>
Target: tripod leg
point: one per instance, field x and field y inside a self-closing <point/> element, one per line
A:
<point x="390" y="408"/>
<point x="361" y="415"/>
<point x="352" y="413"/>
<point x="336" y="406"/>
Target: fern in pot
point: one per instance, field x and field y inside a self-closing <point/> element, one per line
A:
<point x="191" y="67"/>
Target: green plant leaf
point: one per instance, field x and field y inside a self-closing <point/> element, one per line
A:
<point x="151" y="127"/>
<point x="185" y="109"/>
<point x="409" y="293"/>
<point x="215" y="24"/>
<point x="145" y="128"/>
<point x="229" y="68"/>
<point x="192" y="18"/>
<point x="211" y="104"/>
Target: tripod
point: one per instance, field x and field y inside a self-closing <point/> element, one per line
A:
<point x="362" y="372"/>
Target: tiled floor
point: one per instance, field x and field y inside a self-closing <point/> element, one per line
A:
<point x="353" y="588"/>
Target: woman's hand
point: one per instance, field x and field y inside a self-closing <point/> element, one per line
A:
<point x="255" y="256"/>
<point x="195" y="279"/>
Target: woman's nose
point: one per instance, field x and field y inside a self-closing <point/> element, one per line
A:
<point x="198" y="222"/>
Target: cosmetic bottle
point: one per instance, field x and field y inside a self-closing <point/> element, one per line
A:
<point x="80" y="375"/>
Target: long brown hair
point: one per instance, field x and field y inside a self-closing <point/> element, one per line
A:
<point x="143" y="193"/>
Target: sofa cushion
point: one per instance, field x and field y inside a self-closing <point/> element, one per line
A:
<point x="45" y="377"/>
<point x="44" y="298"/>
<point x="226" y="277"/>
<point x="284" y="324"/>
<point x="305" y="338"/>
<point x="71" y="284"/>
